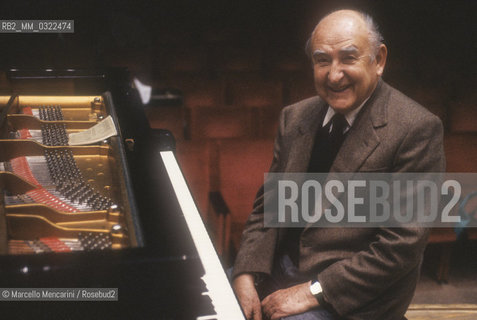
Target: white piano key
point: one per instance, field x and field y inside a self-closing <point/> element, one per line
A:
<point x="208" y="317"/>
<point x="225" y="303"/>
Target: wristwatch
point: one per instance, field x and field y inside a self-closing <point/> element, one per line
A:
<point x="315" y="288"/>
<point x="317" y="292"/>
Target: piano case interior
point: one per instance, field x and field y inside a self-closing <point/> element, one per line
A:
<point x="57" y="197"/>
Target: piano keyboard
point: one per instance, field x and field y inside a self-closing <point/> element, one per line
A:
<point x="218" y="287"/>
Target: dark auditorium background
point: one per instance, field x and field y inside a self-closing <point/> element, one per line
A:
<point x="237" y="63"/>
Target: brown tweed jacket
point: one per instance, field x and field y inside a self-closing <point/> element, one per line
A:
<point x="365" y="273"/>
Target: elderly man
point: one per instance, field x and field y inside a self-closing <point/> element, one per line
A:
<point x="357" y="123"/>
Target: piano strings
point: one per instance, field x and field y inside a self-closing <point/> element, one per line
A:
<point x="73" y="193"/>
<point x="60" y="185"/>
<point x="85" y="242"/>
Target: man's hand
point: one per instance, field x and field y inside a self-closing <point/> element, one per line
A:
<point x="285" y="302"/>
<point x="247" y="295"/>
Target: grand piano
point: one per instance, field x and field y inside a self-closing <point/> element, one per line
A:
<point x="113" y="213"/>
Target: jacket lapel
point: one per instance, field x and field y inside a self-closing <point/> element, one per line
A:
<point x="362" y="139"/>
<point x="302" y="142"/>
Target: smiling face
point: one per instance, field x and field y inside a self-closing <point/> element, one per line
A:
<point x="346" y="70"/>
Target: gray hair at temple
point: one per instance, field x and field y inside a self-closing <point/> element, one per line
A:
<point x="375" y="36"/>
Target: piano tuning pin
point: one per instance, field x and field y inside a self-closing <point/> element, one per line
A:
<point x="115" y="229"/>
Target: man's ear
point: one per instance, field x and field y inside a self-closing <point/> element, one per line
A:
<point x="381" y="59"/>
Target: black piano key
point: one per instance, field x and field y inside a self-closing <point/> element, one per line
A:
<point x="204" y="305"/>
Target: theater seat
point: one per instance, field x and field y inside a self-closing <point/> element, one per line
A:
<point x="172" y="118"/>
<point x="236" y="59"/>
<point x="436" y="100"/>
<point x="197" y="91"/>
<point x="461" y="156"/>
<point x="282" y="60"/>
<point x="222" y="122"/>
<point x="242" y="165"/>
<point x="268" y="122"/>
<point x="463" y="114"/>
<point x="194" y="160"/>
<point x="461" y="152"/>
<point x="181" y="59"/>
<point x="254" y="91"/>
<point x="299" y="87"/>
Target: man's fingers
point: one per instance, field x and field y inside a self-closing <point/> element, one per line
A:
<point x="247" y="312"/>
<point x="273" y="298"/>
<point x="247" y="295"/>
<point x="268" y="305"/>
<point x="257" y="312"/>
<point x="269" y="299"/>
<point x="249" y="308"/>
<point x="275" y="316"/>
<point x="252" y="310"/>
<point x="272" y="311"/>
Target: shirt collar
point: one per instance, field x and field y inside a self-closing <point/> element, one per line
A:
<point x="350" y="116"/>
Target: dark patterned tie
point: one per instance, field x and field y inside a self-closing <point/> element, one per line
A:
<point x="327" y="144"/>
<point x="338" y="126"/>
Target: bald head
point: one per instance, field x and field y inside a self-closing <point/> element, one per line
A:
<point x="352" y="22"/>
<point x="343" y="19"/>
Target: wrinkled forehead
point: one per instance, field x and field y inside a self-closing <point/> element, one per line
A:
<point x="341" y="30"/>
